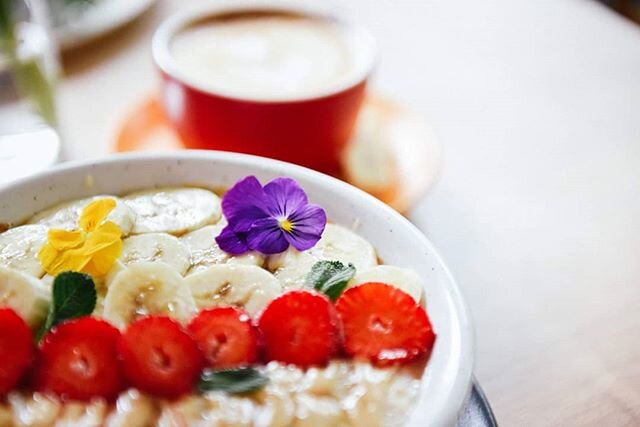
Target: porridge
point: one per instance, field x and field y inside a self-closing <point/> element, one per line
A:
<point x="179" y="306"/>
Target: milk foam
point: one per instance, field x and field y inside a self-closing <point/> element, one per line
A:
<point x="268" y="57"/>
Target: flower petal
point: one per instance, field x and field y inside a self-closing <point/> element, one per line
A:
<point x="308" y="226"/>
<point x="75" y="260"/>
<point x="95" y="212"/>
<point x="101" y="261"/>
<point x="49" y="258"/>
<point x="104" y="236"/>
<point x="55" y="262"/>
<point x="244" y="203"/>
<point x="284" y="195"/>
<point x="232" y="242"/>
<point x="65" y="239"/>
<point x="267" y="237"/>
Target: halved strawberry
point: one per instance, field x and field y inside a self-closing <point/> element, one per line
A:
<point x="78" y="360"/>
<point x="226" y="337"/>
<point x="383" y="324"/>
<point x="300" y="327"/>
<point x="159" y="357"/>
<point x="16" y="349"/>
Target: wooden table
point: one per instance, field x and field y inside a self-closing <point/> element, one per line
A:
<point x="537" y="212"/>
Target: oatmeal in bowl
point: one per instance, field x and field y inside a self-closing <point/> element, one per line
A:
<point x="134" y="291"/>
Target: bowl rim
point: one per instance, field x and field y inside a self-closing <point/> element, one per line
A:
<point x="460" y="387"/>
<point x="163" y="35"/>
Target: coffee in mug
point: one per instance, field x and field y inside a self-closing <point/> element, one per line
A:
<point x="280" y="83"/>
<point x="268" y="56"/>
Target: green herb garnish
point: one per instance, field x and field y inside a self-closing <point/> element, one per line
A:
<point x="330" y="277"/>
<point x="73" y="295"/>
<point x="233" y="381"/>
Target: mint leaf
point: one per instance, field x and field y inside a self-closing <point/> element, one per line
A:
<point x="234" y="381"/>
<point x="330" y="277"/>
<point x="73" y="295"/>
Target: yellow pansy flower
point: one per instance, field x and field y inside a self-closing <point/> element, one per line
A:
<point x="92" y="249"/>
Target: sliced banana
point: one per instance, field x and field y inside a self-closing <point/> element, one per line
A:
<point x="66" y="215"/>
<point x="337" y="244"/>
<point x="151" y="247"/>
<point x="28" y="296"/>
<point x="205" y="250"/>
<point x="147" y="288"/>
<point x="403" y="278"/>
<point x="156" y="247"/>
<point x="341" y="244"/>
<point x="291" y="267"/>
<point x="173" y="210"/>
<point x="19" y="248"/>
<point x="240" y="285"/>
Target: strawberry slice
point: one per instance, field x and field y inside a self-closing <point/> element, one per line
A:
<point x="300" y="327"/>
<point x="16" y="349"/>
<point x="383" y="324"/>
<point x="159" y="357"/>
<point x="226" y="337"/>
<point x="78" y="360"/>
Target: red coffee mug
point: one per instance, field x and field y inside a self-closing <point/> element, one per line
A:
<point x="309" y="130"/>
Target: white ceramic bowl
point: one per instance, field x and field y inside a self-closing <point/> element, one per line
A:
<point x="447" y="378"/>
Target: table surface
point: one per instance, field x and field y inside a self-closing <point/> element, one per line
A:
<point x="537" y="107"/>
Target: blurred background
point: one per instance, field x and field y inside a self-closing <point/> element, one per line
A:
<point x="628" y="8"/>
<point x="526" y="112"/>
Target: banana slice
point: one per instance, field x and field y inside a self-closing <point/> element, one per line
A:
<point x="28" y="296"/>
<point x="337" y="244"/>
<point x="403" y="278"/>
<point x="19" y="248"/>
<point x="291" y="267"/>
<point x="66" y="215"/>
<point x="173" y="210"/>
<point x="341" y="244"/>
<point x="205" y="251"/>
<point x="245" y="286"/>
<point x="156" y="247"/>
<point x="147" y="288"/>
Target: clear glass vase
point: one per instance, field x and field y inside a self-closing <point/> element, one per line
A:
<point x="28" y="69"/>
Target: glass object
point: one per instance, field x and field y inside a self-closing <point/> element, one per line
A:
<point x="29" y="140"/>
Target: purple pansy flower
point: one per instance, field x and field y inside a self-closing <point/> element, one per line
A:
<point x="268" y="219"/>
